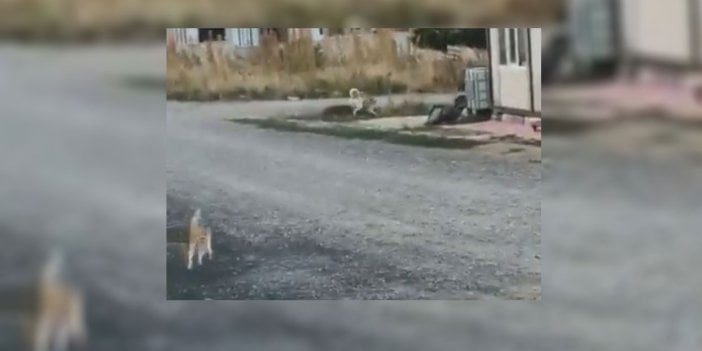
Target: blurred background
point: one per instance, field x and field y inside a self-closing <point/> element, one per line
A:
<point x="81" y="142"/>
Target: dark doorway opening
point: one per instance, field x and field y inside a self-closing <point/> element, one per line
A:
<point x="210" y="34"/>
<point x="280" y="34"/>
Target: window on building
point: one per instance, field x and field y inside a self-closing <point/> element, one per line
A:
<point x="279" y="33"/>
<point x="514" y="46"/>
<point x="206" y="34"/>
<point x="502" y="39"/>
<point x="522" y="45"/>
<point x="246" y="37"/>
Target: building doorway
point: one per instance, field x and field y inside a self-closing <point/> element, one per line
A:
<point x="211" y="34"/>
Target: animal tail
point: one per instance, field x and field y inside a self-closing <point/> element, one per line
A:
<point x="196" y="218"/>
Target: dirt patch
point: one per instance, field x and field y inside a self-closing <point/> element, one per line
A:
<point x="420" y="136"/>
<point x="347" y="132"/>
<point x="344" y="113"/>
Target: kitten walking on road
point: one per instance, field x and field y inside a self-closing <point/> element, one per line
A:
<point x="59" y="320"/>
<point x="199" y="240"/>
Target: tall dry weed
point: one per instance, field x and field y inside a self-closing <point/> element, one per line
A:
<point x="274" y="69"/>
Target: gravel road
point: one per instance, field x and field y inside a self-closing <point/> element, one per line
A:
<point x="80" y="169"/>
<point x="301" y="216"/>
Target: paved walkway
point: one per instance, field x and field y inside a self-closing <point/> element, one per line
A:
<point x="499" y="129"/>
<point x="487" y="128"/>
<point x="608" y="99"/>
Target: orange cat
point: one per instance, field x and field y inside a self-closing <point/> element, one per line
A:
<point x="59" y="319"/>
<point x="199" y="240"/>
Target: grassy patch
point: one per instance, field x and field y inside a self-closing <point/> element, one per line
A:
<point x="371" y="62"/>
<point x="406" y="108"/>
<point x="577" y="126"/>
<point x="347" y="132"/>
<point x="569" y="126"/>
<point x="392" y="136"/>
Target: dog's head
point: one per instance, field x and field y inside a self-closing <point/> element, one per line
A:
<point x="354" y="93"/>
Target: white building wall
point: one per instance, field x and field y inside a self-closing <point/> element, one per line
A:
<point x="317" y="34"/>
<point x="183" y="35"/>
<point x="243" y="37"/>
<point x="535" y="34"/>
<point x="657" y="29"/>
<point x="510" y="83"/>
<point x="191" y="35"/>
<point x="514" y="83"/>
<point x="494" y="48"/>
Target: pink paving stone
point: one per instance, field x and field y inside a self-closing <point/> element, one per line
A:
<point x="676" y="99"/>
<point x="500" y="129"/>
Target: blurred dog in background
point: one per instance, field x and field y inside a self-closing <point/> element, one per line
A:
<point x="362" y="103"/>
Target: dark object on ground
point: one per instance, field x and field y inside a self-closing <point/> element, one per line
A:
<point x="442" y="114"/>
<point x="436" y="114"/>
<point x="447" y="113"/>
<point x="561" y="63"/>
<point x="555" y="53"/>
<point x="536" y="126"/>
<point x="461" y="101"/>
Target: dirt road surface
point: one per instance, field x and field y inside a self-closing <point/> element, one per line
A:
<point x="302" y="216"/>
<point x="80" y="169"/>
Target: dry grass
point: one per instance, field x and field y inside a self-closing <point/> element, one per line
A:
<point x="299" y="68"/>
<point x="73" y="19"/>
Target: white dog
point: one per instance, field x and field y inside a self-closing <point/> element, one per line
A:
<point x="361" y="103"/>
